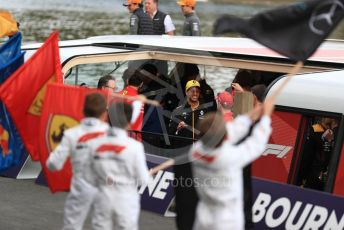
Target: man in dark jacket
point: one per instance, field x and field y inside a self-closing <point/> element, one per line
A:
<point x="162" y="23"/>
<point x="191" y="24"/>
<point x="140" y="22"/>
<point x="183" y="124"/>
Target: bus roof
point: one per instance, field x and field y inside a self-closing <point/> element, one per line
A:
<point x="321" y="91"/>
<point x="331" y="51"/>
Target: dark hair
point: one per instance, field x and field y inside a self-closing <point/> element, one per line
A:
<point x="190" y="70"/>
<point x="104" y="80"/>
<point x="127" y="74"/>
<point x="136" y="79"/>
<point x="151" y="68"/>
<point x="95" y="105"/>
<point x="259" y="92"/>
<point x="120" y="114"/>
<point x="212" y="129"/>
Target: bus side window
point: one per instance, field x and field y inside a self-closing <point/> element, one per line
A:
<point x="317" y="152"/>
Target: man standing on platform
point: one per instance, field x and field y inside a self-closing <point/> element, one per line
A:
<point x="140" y="22"/>
<point x="191" y="24"/>
<point x="162" y="23"/>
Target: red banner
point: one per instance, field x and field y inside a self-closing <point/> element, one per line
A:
<point x="57" y="116"/>
<point x="23" y="93"/>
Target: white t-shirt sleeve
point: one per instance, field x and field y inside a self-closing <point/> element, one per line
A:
<point x="169" y="24"/>
<point x="137" y="106"/>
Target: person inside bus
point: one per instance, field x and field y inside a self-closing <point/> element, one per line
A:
<point x="191" y="72"/>
<point x="153" y="121"/>
<point x="225" y="105"/>
<point x="134" y="83"/>
<point x="258" y="92"/>
<point x="317" y="153"/>
<point x="107" y="82"/>
<point x="183" y="124"/>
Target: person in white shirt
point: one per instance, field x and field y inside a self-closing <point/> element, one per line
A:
<point x="217" y="165"/>
<point x="82" y="193"/>
<point x="162" y="23"/>
<point x="119" y="166"/>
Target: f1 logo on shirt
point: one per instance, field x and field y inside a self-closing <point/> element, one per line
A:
<point x="279" y="150"/>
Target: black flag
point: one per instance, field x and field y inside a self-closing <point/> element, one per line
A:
<point x="295" y="31"/>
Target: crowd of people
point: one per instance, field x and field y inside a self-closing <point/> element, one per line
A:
<point x="107" y="148"/>
<point x="152" y="21"/>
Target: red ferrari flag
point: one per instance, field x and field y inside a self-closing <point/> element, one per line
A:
<point x="57" y="116"/>
<point x="23" y="93"/>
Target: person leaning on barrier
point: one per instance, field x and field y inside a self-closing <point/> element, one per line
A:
<point x="82" y="194"/>
<point x="119" y="166"/>
<point x="217" y="163"/>
<point x="191" y="25"/>
<point x="162" y="23"/>
<point x="140" y="22"/>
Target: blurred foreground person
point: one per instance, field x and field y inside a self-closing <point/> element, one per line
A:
<point x="82" y="193"/>
<point x="215" y="158"/>
<point x="119" y="166"/>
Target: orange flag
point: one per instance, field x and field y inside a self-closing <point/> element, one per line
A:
<point x="23" y="93"/>
<point x="8" y="26"/>
<point x="57" y="116"/>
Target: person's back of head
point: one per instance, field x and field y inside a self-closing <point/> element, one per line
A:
<point x="150" y="68"/>
<point x="225" y="100"/>
<point x="95" y="105"/>
<point x="120" y="114"/>
<point x="103" y="81"/>
<point x="244" y="78"/>
<point x="127" y="74"/>
<point x="259" y="92"/>
<point x="149" y="72"/>
<point x="212" y="130"/>
<point x="136" y="79"/>
<point x="191" y="72"/>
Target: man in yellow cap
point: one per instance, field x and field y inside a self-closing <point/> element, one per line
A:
<point x="191" y="24"/>
<point x="183" y="124"/>
<point x="140" y="22"/>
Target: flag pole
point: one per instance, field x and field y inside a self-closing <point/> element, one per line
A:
<point x="296" y="68"/>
